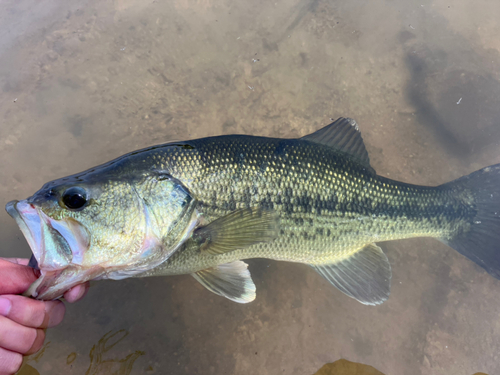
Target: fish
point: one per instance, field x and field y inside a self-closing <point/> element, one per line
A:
<point x="314" y="200"/>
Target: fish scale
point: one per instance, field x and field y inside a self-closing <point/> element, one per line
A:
<point x="329" y="204"/>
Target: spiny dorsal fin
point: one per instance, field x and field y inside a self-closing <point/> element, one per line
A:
<point x="365" y="276"/>
<point x="230" y="280"/>
<point x="237" y="230"/>
<point x="343" y="135"/>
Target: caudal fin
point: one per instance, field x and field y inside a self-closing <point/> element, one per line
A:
<point x="480" y="240"/>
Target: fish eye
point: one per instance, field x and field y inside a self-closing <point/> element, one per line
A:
<point x="74" y="198"/>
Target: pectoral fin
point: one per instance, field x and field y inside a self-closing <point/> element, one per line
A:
<point x="365" y="276"/>
<point x="230" y="280"/>
<point x="237" y="230"/>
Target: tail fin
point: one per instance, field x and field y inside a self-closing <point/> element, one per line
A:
<point x="480" y="242"/>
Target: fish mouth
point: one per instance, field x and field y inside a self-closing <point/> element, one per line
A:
<point x="58" y="247"/>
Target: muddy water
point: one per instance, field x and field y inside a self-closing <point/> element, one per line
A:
<point x="82" y="82"/>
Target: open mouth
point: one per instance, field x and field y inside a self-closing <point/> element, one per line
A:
<point x="50" y="248"/>
<point x="58" y="247"/>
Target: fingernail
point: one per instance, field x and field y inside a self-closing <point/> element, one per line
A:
<point x="5" y="306"/>
<point x="55" y="313"/>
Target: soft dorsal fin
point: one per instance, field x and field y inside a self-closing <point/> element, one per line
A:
<point x="365" y="276"/>
<point x="343" y="135"/>
<point x="230" y="280"/>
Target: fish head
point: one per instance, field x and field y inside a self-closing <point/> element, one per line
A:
<point x="105" y="227"/>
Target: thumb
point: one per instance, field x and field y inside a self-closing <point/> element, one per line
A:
<point x="15" y="278"/>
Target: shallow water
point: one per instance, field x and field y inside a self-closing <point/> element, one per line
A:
<point x="82" y="82"/>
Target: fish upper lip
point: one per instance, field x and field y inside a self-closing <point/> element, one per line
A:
<point x="33" y="238"/>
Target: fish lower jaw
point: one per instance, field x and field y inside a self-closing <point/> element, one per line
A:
<point x="53" y="284"/>
<point x="34" y="289"/>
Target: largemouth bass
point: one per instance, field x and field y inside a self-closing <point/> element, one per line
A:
<point x="314" y="200"/>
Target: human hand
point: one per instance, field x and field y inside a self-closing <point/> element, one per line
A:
<point x="22" y="319"/>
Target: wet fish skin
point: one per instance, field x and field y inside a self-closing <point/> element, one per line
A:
<point x="331" y="206"/>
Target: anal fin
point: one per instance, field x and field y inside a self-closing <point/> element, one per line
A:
<point x="230" y="280"/>
<point x="365" y="276"/>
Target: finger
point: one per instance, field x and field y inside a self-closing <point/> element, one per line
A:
<point x="21" y="261"/>
<point x="32" y="313"/>
<point x="18" y="338"/>
<point x="77" y="292"/>
<point x="15" y="278"/>
<point x="10" y="362"/>
<point x="38" y="343"/>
